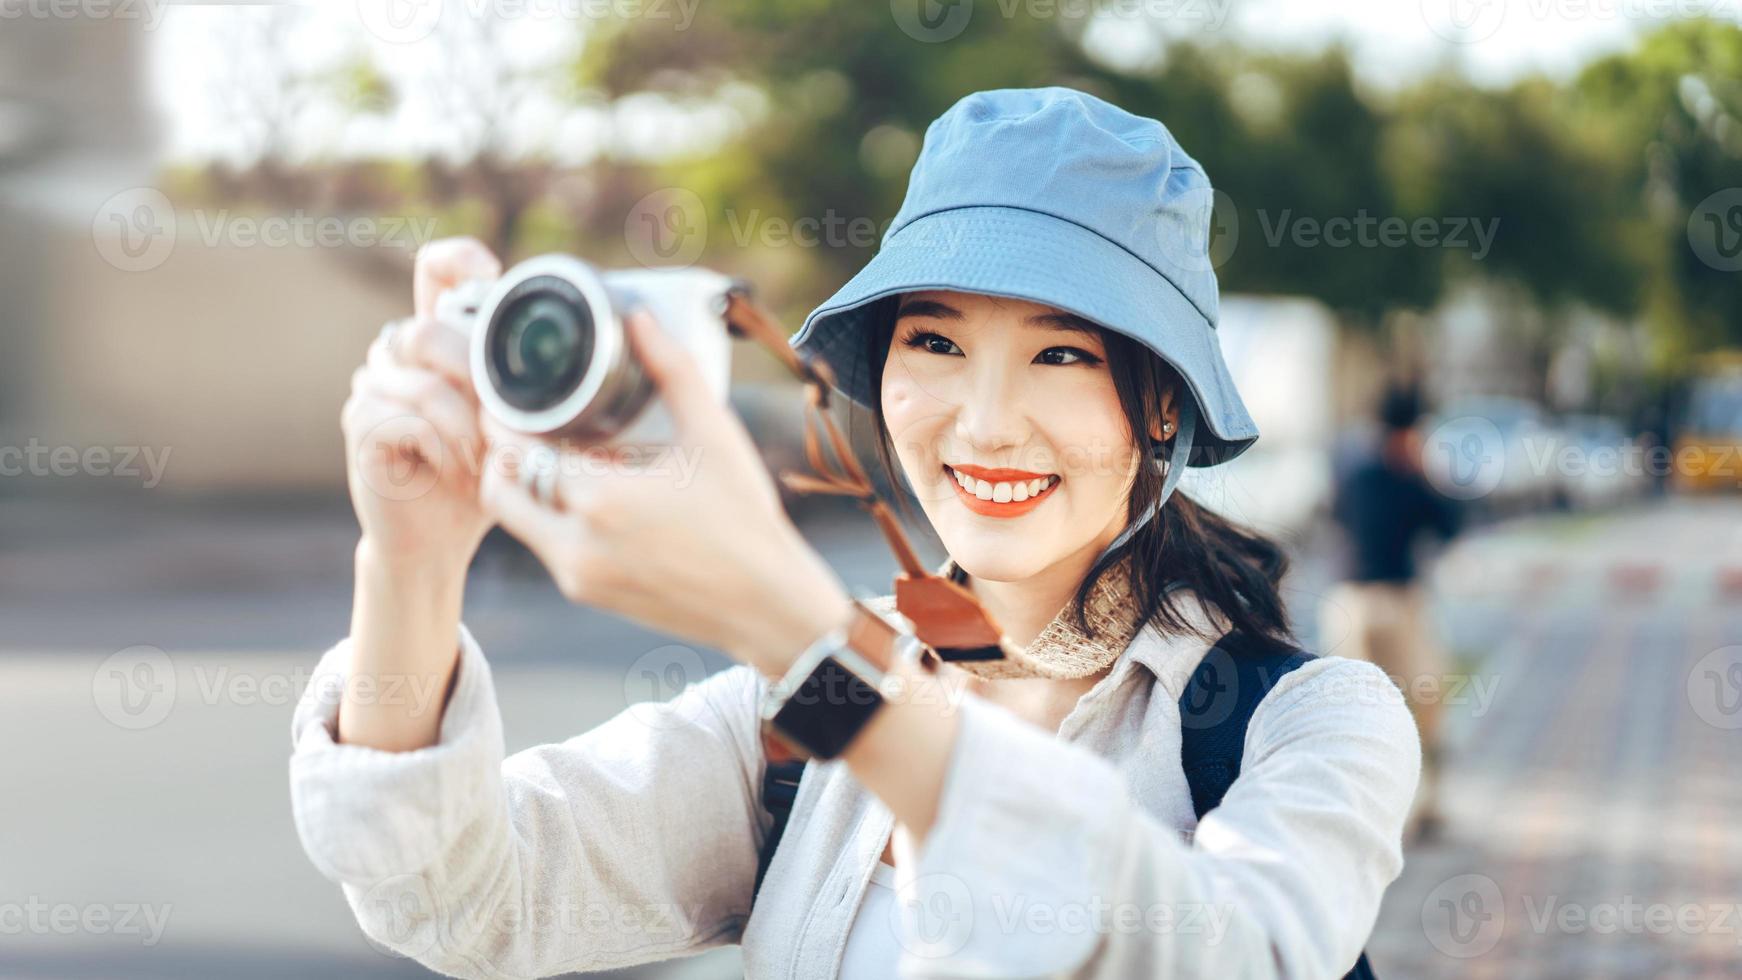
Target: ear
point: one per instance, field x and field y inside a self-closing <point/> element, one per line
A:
<point x="1169" y="413"/>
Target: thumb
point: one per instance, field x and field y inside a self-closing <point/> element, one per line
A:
<point x="444" y="264"/>
<point x="674" y="371"/>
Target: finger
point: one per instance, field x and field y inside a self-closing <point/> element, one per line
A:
<point x="390" y="354"/>
<point x="406" y="377"/>
<point x="505" y="499"/>
<point x="583" y="472"/>
<point x="675" y="373"/>
<point x="380" y="429"/>
<point x="428" y="394"/>
<point x="431" y="396"/>
<point x="429" y="343"/>
<point x="445" y="263"/>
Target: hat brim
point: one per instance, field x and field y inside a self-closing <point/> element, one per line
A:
<point x="1031" y="255"/>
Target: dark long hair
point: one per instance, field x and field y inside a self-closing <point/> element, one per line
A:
<point x="1225" y="568"/>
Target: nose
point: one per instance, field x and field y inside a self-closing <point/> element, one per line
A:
<point x="992" y="414"/>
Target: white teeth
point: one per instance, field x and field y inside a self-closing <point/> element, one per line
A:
<point x="1003" y="492"/>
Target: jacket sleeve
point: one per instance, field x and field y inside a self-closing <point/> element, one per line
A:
<point x="633" y="842"/>
<point x="1041" y="863"/>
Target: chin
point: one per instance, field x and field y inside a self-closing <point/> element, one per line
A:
<point x="991" y="557"/>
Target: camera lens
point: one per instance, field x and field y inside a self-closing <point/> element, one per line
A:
<point x="540" y="342"/>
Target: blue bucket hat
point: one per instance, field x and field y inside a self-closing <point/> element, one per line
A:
<point x="1055" y="196"/>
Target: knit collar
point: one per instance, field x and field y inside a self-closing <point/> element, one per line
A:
<point x="1062" y="651"/>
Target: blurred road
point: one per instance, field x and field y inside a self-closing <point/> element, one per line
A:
<point x="1592" y="778"/>
<point x="1592" y="802"/>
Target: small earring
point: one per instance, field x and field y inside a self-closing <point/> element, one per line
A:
<point x="1167" y="428"/>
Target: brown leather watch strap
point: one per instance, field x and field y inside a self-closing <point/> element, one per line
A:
<point x="946" y="617"/>
<point x="873" y="637"/>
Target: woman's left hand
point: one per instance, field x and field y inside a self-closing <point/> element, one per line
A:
<point x="689" y="539"/>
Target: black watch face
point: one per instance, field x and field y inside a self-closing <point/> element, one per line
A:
<point x="828" y="709"/>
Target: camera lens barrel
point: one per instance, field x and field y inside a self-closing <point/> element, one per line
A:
<point x="550" y="356"/>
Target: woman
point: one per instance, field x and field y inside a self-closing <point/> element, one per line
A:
<point x="1036" y="339"/>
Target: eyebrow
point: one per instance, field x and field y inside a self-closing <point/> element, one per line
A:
<point x="1064" y="322"/>
<point x="928" y="307"/>
<point x="1067" y="323"/>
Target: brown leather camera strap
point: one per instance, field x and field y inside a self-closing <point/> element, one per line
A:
<point x="945" y="615"/>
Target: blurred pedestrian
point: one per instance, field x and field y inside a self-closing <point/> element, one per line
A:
<point x="1384" y="504"/>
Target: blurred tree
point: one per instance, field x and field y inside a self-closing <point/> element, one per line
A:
<point x="1669" y="115"/>
<point x="848" y="98"/>
<point x="1597" y="185"/>
<point x="1507" y="156"/>
<point x="1287" y="139"/>
<point x="1293" y="145"/>
<point x="1456" y="150"/>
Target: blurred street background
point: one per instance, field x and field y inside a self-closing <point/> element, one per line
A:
<point x="1527" y="213"/>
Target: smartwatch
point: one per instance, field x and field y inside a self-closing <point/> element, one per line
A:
<point x="835" y="686"/>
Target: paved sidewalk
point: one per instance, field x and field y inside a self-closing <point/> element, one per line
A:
<point x="1592" y="809"/>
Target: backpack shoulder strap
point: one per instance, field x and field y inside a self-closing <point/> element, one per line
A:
<point x="1215" y="711"/>
<point x="780" y="779"/>
<point x="1217" y="706"/>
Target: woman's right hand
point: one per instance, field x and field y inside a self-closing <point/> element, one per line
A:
<point x="414" y="447"/>
<point x="415" y="455"/>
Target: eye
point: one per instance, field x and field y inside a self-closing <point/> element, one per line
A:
<point x="1072" y="355"/>
<point x="932" y="342"/>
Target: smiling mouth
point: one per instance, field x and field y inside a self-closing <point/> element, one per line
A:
<point x="1001" y="497"/>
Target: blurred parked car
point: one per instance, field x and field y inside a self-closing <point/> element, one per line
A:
<point x="1523" y="443"/>
<point x="1606" y="466"/>
<point x="1708" y="445"/>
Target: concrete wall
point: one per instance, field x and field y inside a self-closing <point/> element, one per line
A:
<point x="234" y="359"/>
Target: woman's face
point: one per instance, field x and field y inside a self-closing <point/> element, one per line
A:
<point x="1015" y="398"/>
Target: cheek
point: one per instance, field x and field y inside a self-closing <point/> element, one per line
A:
<point x="911" y="423"/>
<point x="1093" y="439"/>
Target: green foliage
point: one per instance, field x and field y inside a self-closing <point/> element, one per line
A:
<point x="359" y="86"/>
<point x="1592" y="181"/>
<point x="1669" y="118"/>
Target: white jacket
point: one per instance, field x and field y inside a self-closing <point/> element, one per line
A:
<point x="1071" y="855"/>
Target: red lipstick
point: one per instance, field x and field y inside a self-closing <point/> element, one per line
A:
<point x="992" y="508"/>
